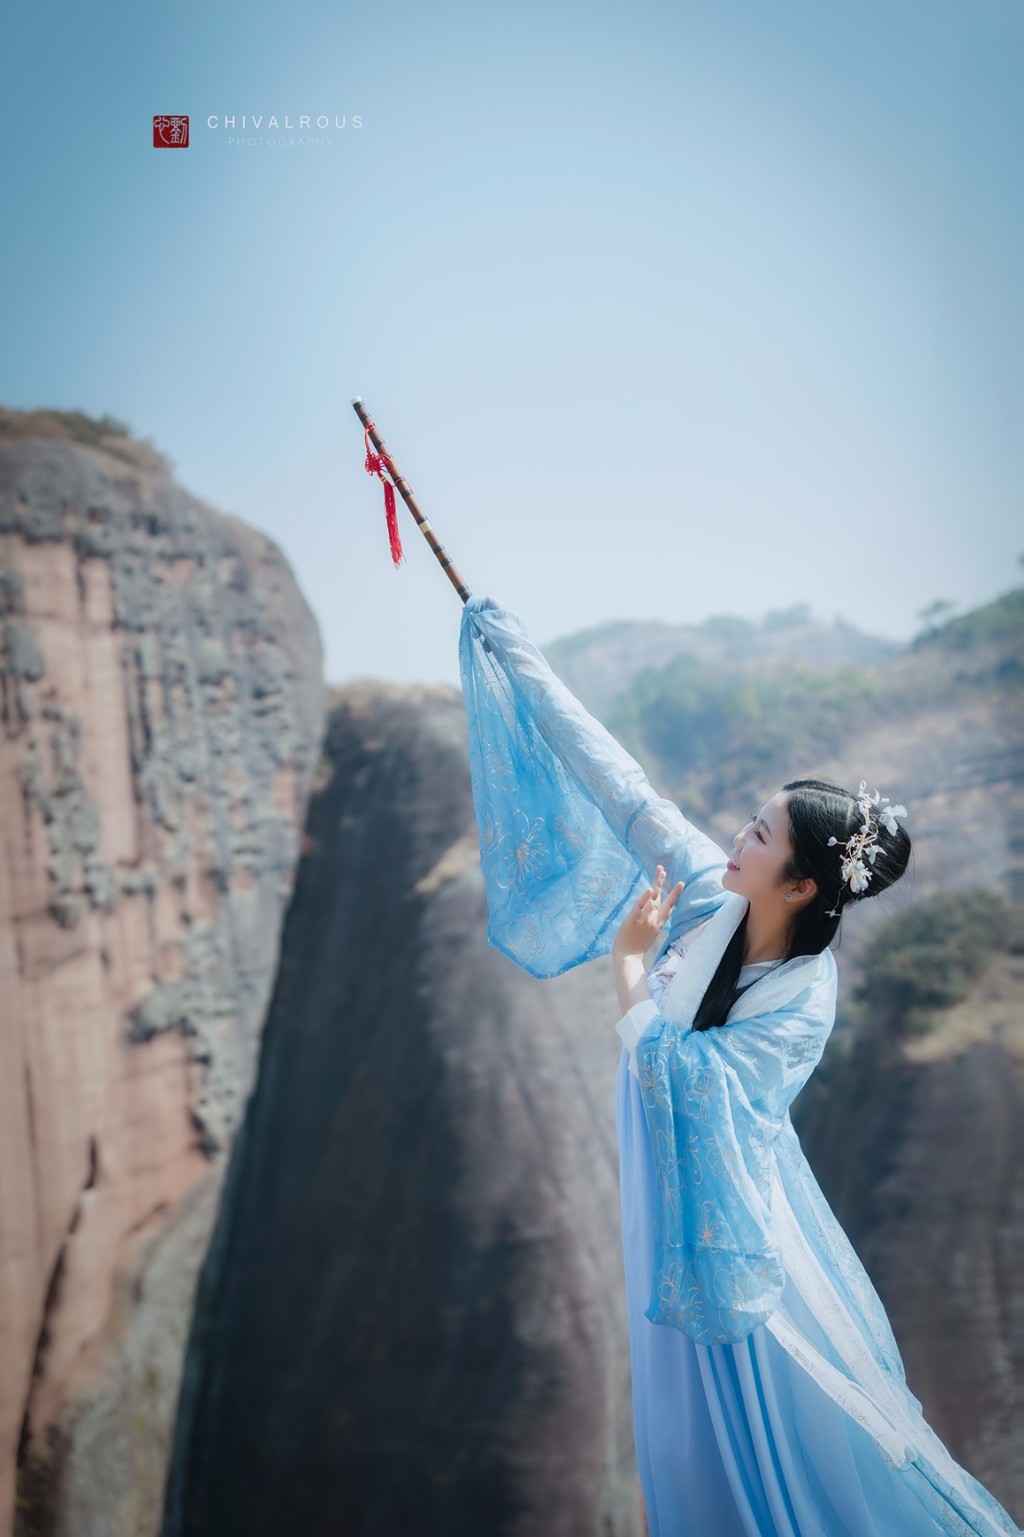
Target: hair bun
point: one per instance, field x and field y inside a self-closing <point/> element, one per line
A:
<point x="851" y="846"/>
<point x="859" y="866"/>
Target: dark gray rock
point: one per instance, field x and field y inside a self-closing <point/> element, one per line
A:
<point x="921" y="1161"/>
<point x="411" y="1318"/>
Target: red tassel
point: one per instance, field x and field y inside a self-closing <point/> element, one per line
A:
<point x="375" y="466"/>
<point x="394" y="537"/>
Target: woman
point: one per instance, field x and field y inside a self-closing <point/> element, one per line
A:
<point x="769" y="1397"/>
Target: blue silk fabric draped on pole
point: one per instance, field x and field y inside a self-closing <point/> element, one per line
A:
<point x="769" y="1397"/>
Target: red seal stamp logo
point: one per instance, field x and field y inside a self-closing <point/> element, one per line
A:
<point x="170" y="132"/>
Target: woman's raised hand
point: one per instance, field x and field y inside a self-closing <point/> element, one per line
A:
<point x="647" y="917"/>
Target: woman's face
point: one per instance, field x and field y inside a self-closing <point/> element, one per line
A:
<point x="761" y="851"/>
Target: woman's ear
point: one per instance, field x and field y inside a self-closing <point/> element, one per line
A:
<point x="803" y="891"/>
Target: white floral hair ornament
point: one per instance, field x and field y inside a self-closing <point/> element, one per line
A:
<point x="863" y="848"/>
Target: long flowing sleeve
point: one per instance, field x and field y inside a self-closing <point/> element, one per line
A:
<point x="715" y="1102"/>
<point x="570" y="828"/>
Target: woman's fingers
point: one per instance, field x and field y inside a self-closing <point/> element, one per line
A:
<point x="649" y="904"/>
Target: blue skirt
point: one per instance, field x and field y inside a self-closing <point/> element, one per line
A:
<point x="738" y="1440"/>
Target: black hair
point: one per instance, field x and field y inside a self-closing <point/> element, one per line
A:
<point x="818" y="812"/>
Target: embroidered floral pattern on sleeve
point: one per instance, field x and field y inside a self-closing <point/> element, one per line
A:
<point x="720" y="1097"/>
<point x="570" y="829"/>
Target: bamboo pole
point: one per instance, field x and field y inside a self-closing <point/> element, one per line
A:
<point x="403" y="486"/>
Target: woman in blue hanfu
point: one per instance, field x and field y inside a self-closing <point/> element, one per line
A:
<point x="769" y="1397"/>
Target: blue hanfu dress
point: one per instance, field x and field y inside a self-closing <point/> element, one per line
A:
<point x="769" y="1397"/>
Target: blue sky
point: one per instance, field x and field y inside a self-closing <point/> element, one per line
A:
<point x="667" y="311"/>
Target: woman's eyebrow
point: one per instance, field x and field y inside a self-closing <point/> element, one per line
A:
<point x="764" y="824"/>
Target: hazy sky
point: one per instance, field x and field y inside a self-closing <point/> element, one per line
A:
<point x="665" y="310"/>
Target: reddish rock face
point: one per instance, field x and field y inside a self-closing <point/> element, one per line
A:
<point x="162" y="707"/>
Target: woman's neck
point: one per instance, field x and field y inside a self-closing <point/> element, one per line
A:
<point x="767" y="937"/>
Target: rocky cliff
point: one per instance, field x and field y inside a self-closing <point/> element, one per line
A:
<point x="162" y="705"/>
<point x="917" y="1139"/>
<point x="411" y="1319"/>
<point x="307" y="1197"/>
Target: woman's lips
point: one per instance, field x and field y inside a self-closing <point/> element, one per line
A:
<point x="731" y="866"/>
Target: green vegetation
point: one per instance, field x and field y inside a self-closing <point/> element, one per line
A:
<point x="993" y="635"/>
<point x="90" y="429"/>
<point x="715" y="732"/>
<point x="729" y="728"/>
<point x="916" y="967"/>
<point x="735" y="635"/>
<point x="786" y="618"/>
<point x="61" y="424"/>
<point x="925" y="960"/>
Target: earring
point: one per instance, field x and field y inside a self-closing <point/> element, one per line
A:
<point x="789" y="896"/>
